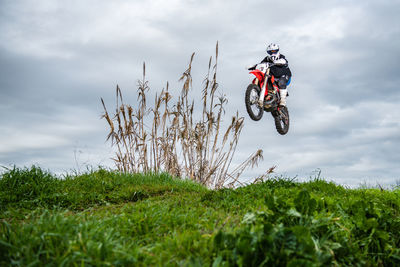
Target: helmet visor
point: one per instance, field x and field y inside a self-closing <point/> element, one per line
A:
<point x="272" y="52"/>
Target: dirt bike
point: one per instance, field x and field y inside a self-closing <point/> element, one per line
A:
<point x="260" y="98"/>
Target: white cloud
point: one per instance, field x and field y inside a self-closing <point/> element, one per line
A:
<point x="56" y="28"/>
<point x="17" y="140"/>
<point x="320" y="27"/>
<point x="57" y="130"/>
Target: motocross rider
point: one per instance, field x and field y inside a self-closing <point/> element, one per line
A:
<point x="280" y="71"/>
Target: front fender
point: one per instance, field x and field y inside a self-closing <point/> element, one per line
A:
<point x="259" y="74"/>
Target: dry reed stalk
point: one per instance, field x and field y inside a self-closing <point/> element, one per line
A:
<point x="175" y="142"/>
<point x="264" y="176"/>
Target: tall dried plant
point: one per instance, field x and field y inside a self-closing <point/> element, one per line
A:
<point x="175" y="142"/>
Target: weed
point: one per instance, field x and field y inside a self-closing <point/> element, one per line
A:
<point x="32" y="188"/>
<point x="105" y="218"/>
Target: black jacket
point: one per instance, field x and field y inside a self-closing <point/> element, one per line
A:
<point x="278" y="70"/>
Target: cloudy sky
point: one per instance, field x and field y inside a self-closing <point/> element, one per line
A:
<point x="57" y="58"/>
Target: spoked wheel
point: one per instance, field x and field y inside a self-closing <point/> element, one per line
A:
<point x="281" y="118"/>
<point x="251" y="100"/>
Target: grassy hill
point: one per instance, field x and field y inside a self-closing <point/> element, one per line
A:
<point x="106" y="218"/>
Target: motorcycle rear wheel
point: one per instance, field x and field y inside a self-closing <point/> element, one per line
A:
<point x="251" y="100"/>
<point x="281" y="118"/>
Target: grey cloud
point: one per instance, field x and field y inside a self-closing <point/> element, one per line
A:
<point x="57" y="59"/>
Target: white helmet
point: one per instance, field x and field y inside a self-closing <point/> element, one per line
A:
<point x="273" y="50"/>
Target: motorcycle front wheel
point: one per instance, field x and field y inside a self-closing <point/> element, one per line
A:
<point x="251" y="99"/>
<point x="281" y="118"/>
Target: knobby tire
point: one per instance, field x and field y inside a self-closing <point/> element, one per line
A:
<point x="253" y="116"/>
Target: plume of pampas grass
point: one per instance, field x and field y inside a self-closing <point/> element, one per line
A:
<point x="175" y="142"/>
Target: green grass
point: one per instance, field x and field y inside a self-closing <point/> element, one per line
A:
<point x="106" y="218"/>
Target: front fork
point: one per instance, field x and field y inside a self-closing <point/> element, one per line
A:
<point x="263" y="89"/>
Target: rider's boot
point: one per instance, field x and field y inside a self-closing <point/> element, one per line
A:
<point x="283" y="94"/>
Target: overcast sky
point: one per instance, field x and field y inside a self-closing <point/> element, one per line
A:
<point x="57" y="58"/>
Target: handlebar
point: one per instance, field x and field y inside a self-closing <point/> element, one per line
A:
<point x="269" y="65"/>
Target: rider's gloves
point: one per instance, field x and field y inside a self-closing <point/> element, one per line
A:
<point x="280" y="61"/>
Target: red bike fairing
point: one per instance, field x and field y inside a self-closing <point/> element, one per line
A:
<point x="260" y="76"/>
